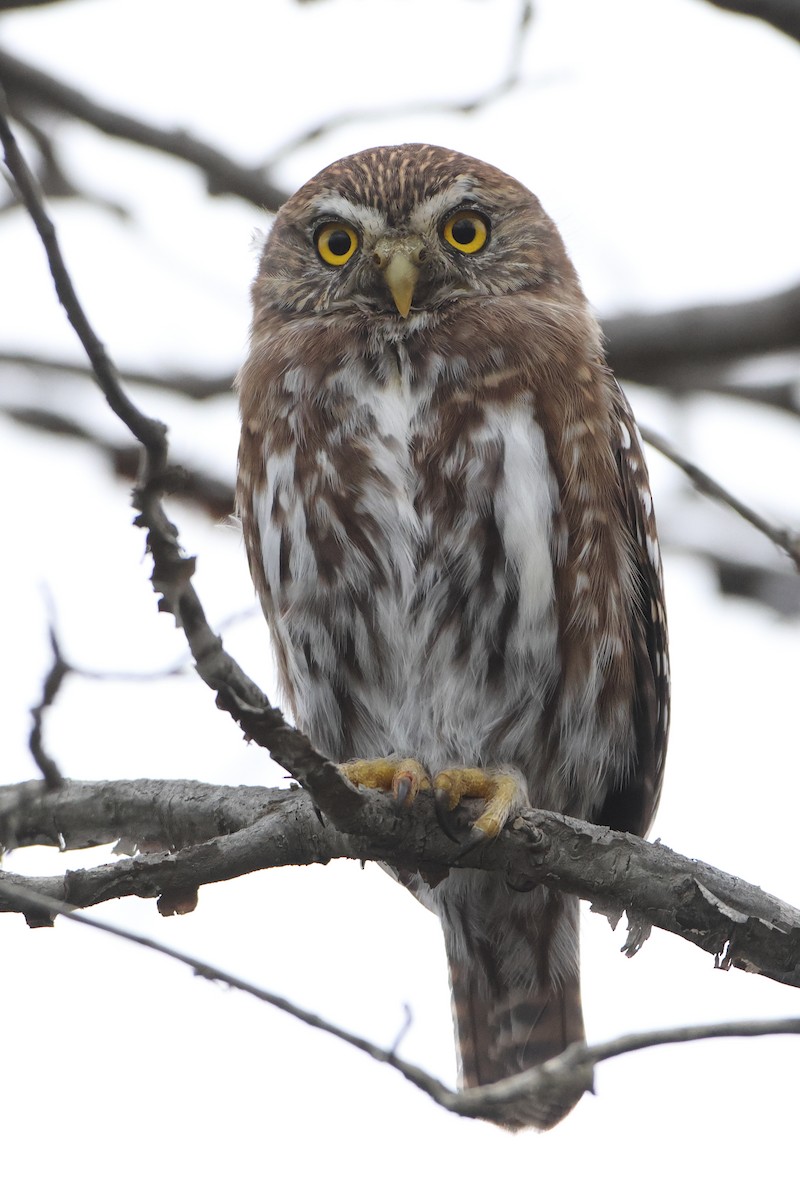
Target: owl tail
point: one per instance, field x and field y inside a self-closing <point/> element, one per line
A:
<point x="503" y="1029"/>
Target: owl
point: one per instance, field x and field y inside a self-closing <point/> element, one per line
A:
<point x="449" y="524"/>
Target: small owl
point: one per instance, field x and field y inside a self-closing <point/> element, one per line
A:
<point x="449" y="524"/>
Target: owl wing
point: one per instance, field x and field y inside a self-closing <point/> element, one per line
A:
<point x="632" y="807"/>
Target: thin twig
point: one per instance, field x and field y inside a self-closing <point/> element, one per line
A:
<point x="186" y="383"/>
<point x="149" y="432"/>
<point x="53" y="176"/>
<point x="568" y="1073"/>
<point x="180" y="667"/>
<point x="464" y="107"/>
<point x="785" y="539"/>
<point x="172" y="573"/>
<point x="53" y="680"/>
<point x="37" y="904"/>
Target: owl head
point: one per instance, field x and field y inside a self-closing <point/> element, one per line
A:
<point x="400" y="233"/>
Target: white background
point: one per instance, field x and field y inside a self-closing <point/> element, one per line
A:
<point x="662" y="137"/>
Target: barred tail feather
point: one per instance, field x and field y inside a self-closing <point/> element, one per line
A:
<point x="503" y="1030"/>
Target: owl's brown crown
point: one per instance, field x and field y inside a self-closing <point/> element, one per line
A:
<point x="409" y="193"/>
<point x="395" y="179"/>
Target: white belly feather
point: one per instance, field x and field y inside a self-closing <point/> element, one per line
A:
<point x="417" y="670"/>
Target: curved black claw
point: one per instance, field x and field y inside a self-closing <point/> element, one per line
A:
<point x="475" y="839"/>
<point x="402" y="789"/>
<point x="444" y="816"/>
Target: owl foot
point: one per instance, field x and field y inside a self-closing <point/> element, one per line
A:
<point x="503" y="791"/>
<point x="403" y="777"/>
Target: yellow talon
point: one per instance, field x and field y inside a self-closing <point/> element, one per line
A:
<point x="459" y="782"/>
<point x="403" y="777"/>
<point x="370" y="772"/>
<point x="406" y="777"/>
<point x="502" y="793"/>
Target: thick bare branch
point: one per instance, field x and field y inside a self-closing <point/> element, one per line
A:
<point x="782" y="14"/>
<point x="663" y="348"/>
<point x="783" y="395"/>
<point x="25" y="83"/>
<point x="213" y="833"/>
<point x="8" y="5"/>
<point x="778" y="590"/>
<point x="683" y="350"/>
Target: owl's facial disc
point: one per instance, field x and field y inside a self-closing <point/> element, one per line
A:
<point x="394" y="262"/>
<point x="398" y="259"/>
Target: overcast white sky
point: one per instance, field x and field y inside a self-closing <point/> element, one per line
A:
<point x="661" y="136"/>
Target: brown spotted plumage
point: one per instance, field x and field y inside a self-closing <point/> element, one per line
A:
<point x="449" y="524"/>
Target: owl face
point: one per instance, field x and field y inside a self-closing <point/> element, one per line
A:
<point x="399" y="233"/>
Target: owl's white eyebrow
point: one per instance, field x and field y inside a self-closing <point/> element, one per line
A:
<point x="361" y="215"/>
<point x="452" y="197"/>
<point x="373" y="223"/>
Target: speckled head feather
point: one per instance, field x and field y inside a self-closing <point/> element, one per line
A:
<point x="401" y="190"/>
<point x="395" y="179"/>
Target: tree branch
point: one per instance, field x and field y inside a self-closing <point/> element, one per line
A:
<point x="217" y="497"/>
<point x="25" y="83"/>
<point x="172" y="570"/>
<point x="198" y="487"/>
<point x="661" y="349"/>
<point x="8" y="5"/>
<point x="778" y="590"/>
<point x="784" y="15"/>
<point x="214" y="833"/>
<point x="186" y="383"/>
<point x="549" y="1086"/>
<point x="464" y="107"/>
<point x="783" y="396"/>
<point x="757" y="934"/>
<point x="52" y="683"/>
<point x="786" y="539"/>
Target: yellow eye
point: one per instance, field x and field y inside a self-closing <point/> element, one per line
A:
<point x="336" y="242"/>
<point x="467" y="231"/>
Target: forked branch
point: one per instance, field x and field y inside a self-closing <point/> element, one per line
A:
<point x="210" y="833"/>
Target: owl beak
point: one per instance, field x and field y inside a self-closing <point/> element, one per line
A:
<point x="398" y="261"/>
